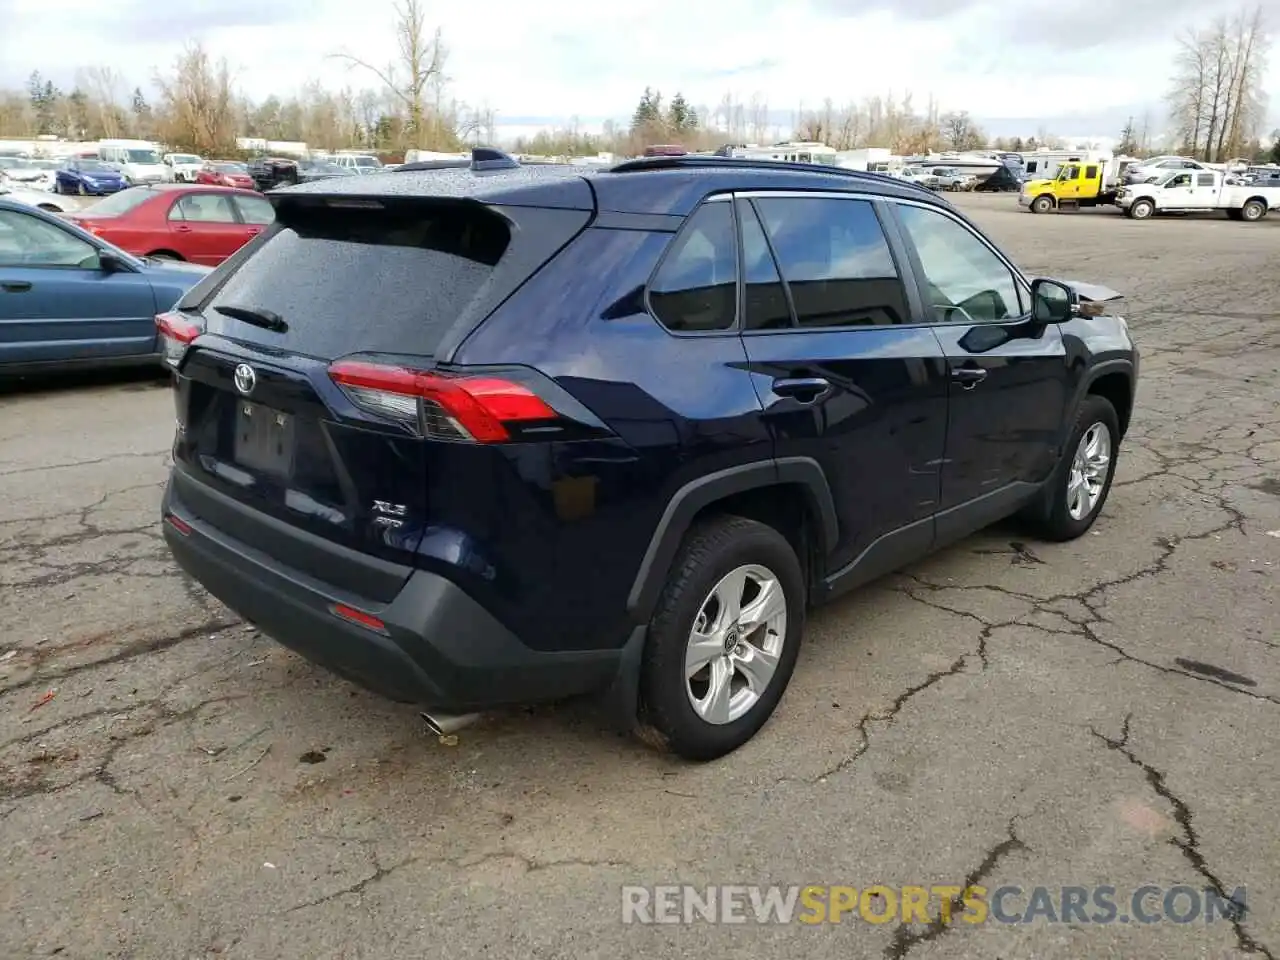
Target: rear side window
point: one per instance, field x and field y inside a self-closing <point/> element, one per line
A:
<point x="255" y="210"/>
<point x="1090" y="172"/>
<point x="1204" y="179"/>
<point x="765" y="304"/>
<point x="696" y="288"/>
<point x="345" y="281"/>
<point x="835" y="260"/>
<point x="203" y="208"/>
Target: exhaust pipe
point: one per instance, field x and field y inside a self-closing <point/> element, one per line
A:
<point x="443" y="724"/>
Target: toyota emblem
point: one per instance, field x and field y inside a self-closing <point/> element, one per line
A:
<point x="245" y="378"/>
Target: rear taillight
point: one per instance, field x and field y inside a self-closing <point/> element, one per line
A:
<point x="176" y="334"/>
<point x="442" y="406"/>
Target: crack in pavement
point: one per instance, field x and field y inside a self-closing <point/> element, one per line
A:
<point x="884" y="716"/>
<point x="905" y="938"/>
<point x="84" y="463"/>
<point x="1189" y="842"/>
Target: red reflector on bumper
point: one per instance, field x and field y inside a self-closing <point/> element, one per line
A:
<point x="181" y="526"/>
<point x="358" y="616"/>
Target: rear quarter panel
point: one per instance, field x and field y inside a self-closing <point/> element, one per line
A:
<point x="568" y="539"/>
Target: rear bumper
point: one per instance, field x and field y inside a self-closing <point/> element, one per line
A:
<point x="439" y="648"/>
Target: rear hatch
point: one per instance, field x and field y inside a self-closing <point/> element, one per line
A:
<point x="302" y="371"/>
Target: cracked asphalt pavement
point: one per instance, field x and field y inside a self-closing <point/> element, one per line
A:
<point x="174" y="785"/>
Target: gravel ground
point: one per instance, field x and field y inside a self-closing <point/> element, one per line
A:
<point x="1005" y="712"/>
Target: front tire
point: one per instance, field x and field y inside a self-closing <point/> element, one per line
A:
<point x="724" y="639"/>
<point x="1042" y="204"/>
<point x="1075" y="494"/>
<point x="1141" y="209"/>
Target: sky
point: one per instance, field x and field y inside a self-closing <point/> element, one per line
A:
<point x="1066" y="66"/>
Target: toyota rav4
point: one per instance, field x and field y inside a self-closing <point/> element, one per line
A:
<point x="491" y="434"/>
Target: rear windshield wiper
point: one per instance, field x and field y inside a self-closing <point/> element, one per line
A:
<point x="259" y="318"/>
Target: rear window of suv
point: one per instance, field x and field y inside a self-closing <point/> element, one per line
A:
<point x="364" y="280"/>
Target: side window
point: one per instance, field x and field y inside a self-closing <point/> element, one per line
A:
<point x="203" y="208"/>
<point x="27" y="241"/>
<point x="835" y="260"/>
<point x="256" y="210"/>
<point x="764" y="303"/>
<point x="964" y="280"/>
<point x="1090" y="172"/>
<point x="1181" y="180"/>
<point x="1031" y="167"/>
<point x="1204" y="179"/>
<point x="696" y="288"/>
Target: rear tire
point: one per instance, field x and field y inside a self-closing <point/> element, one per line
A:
<point x="1253" y="211"/>
<point x="732" y="692"/>
<point x="1077" y="491"/>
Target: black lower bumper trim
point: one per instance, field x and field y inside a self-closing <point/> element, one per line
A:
<point x="440" y="648"/>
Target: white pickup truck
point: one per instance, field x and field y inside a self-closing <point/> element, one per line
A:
<point x="1197" y="191"/>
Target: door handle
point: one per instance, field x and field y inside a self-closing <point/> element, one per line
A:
<point x="254" y="231"/>
<point x="182" y="228"/>
<point x="968" y="377"/>
<point x="15" y="286"/>
<point x="803" y="389"/>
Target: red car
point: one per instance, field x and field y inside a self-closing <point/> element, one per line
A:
<point x="178" y="221"/>
<point x="225" y="173"/>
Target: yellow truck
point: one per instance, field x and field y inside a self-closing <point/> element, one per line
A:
<point x="1084" y="183"/>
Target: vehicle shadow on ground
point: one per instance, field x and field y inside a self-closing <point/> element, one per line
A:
<point x="131" y="380"/>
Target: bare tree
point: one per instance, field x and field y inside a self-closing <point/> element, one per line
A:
<point x="197" y="104"/>
<point x="957" y="129"/>
<point x="416" y="80"/>
<point x="1216" y="100"/>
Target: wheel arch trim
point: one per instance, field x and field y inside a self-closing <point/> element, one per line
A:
<point x="697" y="494"/>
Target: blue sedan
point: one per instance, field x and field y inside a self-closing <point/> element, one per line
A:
<point x="89" y="178"/>
<point x="70" y="300"/>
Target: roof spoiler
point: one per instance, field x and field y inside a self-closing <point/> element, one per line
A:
<point x="487" y="158"/>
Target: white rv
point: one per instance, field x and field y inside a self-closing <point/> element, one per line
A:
<point x="796" y="151"/>
<point x="138" y="160"/>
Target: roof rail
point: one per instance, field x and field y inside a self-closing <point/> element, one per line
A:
<point x="752" y="163"/>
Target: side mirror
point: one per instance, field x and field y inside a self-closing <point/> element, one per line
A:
<point x="1052" y="302"/>
<point x="111" y="262"/>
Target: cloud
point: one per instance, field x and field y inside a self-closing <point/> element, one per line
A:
<point x="1001" y="61"/>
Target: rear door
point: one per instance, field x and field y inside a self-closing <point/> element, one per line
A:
<point x="844" y="376"/>
<point x="264" y="422"/>
<point x="57" y="303"/>
<point x="1204" y="194"/>
<point x="1009" y="380"/>
<point x="205" y="228"/>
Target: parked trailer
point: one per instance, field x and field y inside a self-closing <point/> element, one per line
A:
<point x="1198" y="191"/>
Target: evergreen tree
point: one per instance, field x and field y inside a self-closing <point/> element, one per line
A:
<point x="681" y="118"/>
<point x="648" y="111"/>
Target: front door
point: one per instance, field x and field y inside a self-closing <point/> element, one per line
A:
<point x="1178" y="193"/>
<point x="57" y="303"/>
<point x="843" y="376"/>
<point x="205" y="228"/>
<point x="1009" y="379"/>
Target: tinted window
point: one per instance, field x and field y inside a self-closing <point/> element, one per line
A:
<point x="764" y="299"/>
<point x="346" y="281"/>
<point x="1204" y="179"/>
<point x="255" y="210"/>
<point x="27" y="241"/>
<point x="964" y="279"/>
<point x="696" y="287"/>
<point x="1090" y="172"/>
<point x="835" y="260"/>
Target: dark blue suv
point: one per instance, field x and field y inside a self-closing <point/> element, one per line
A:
<point x="497" y="434"/>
